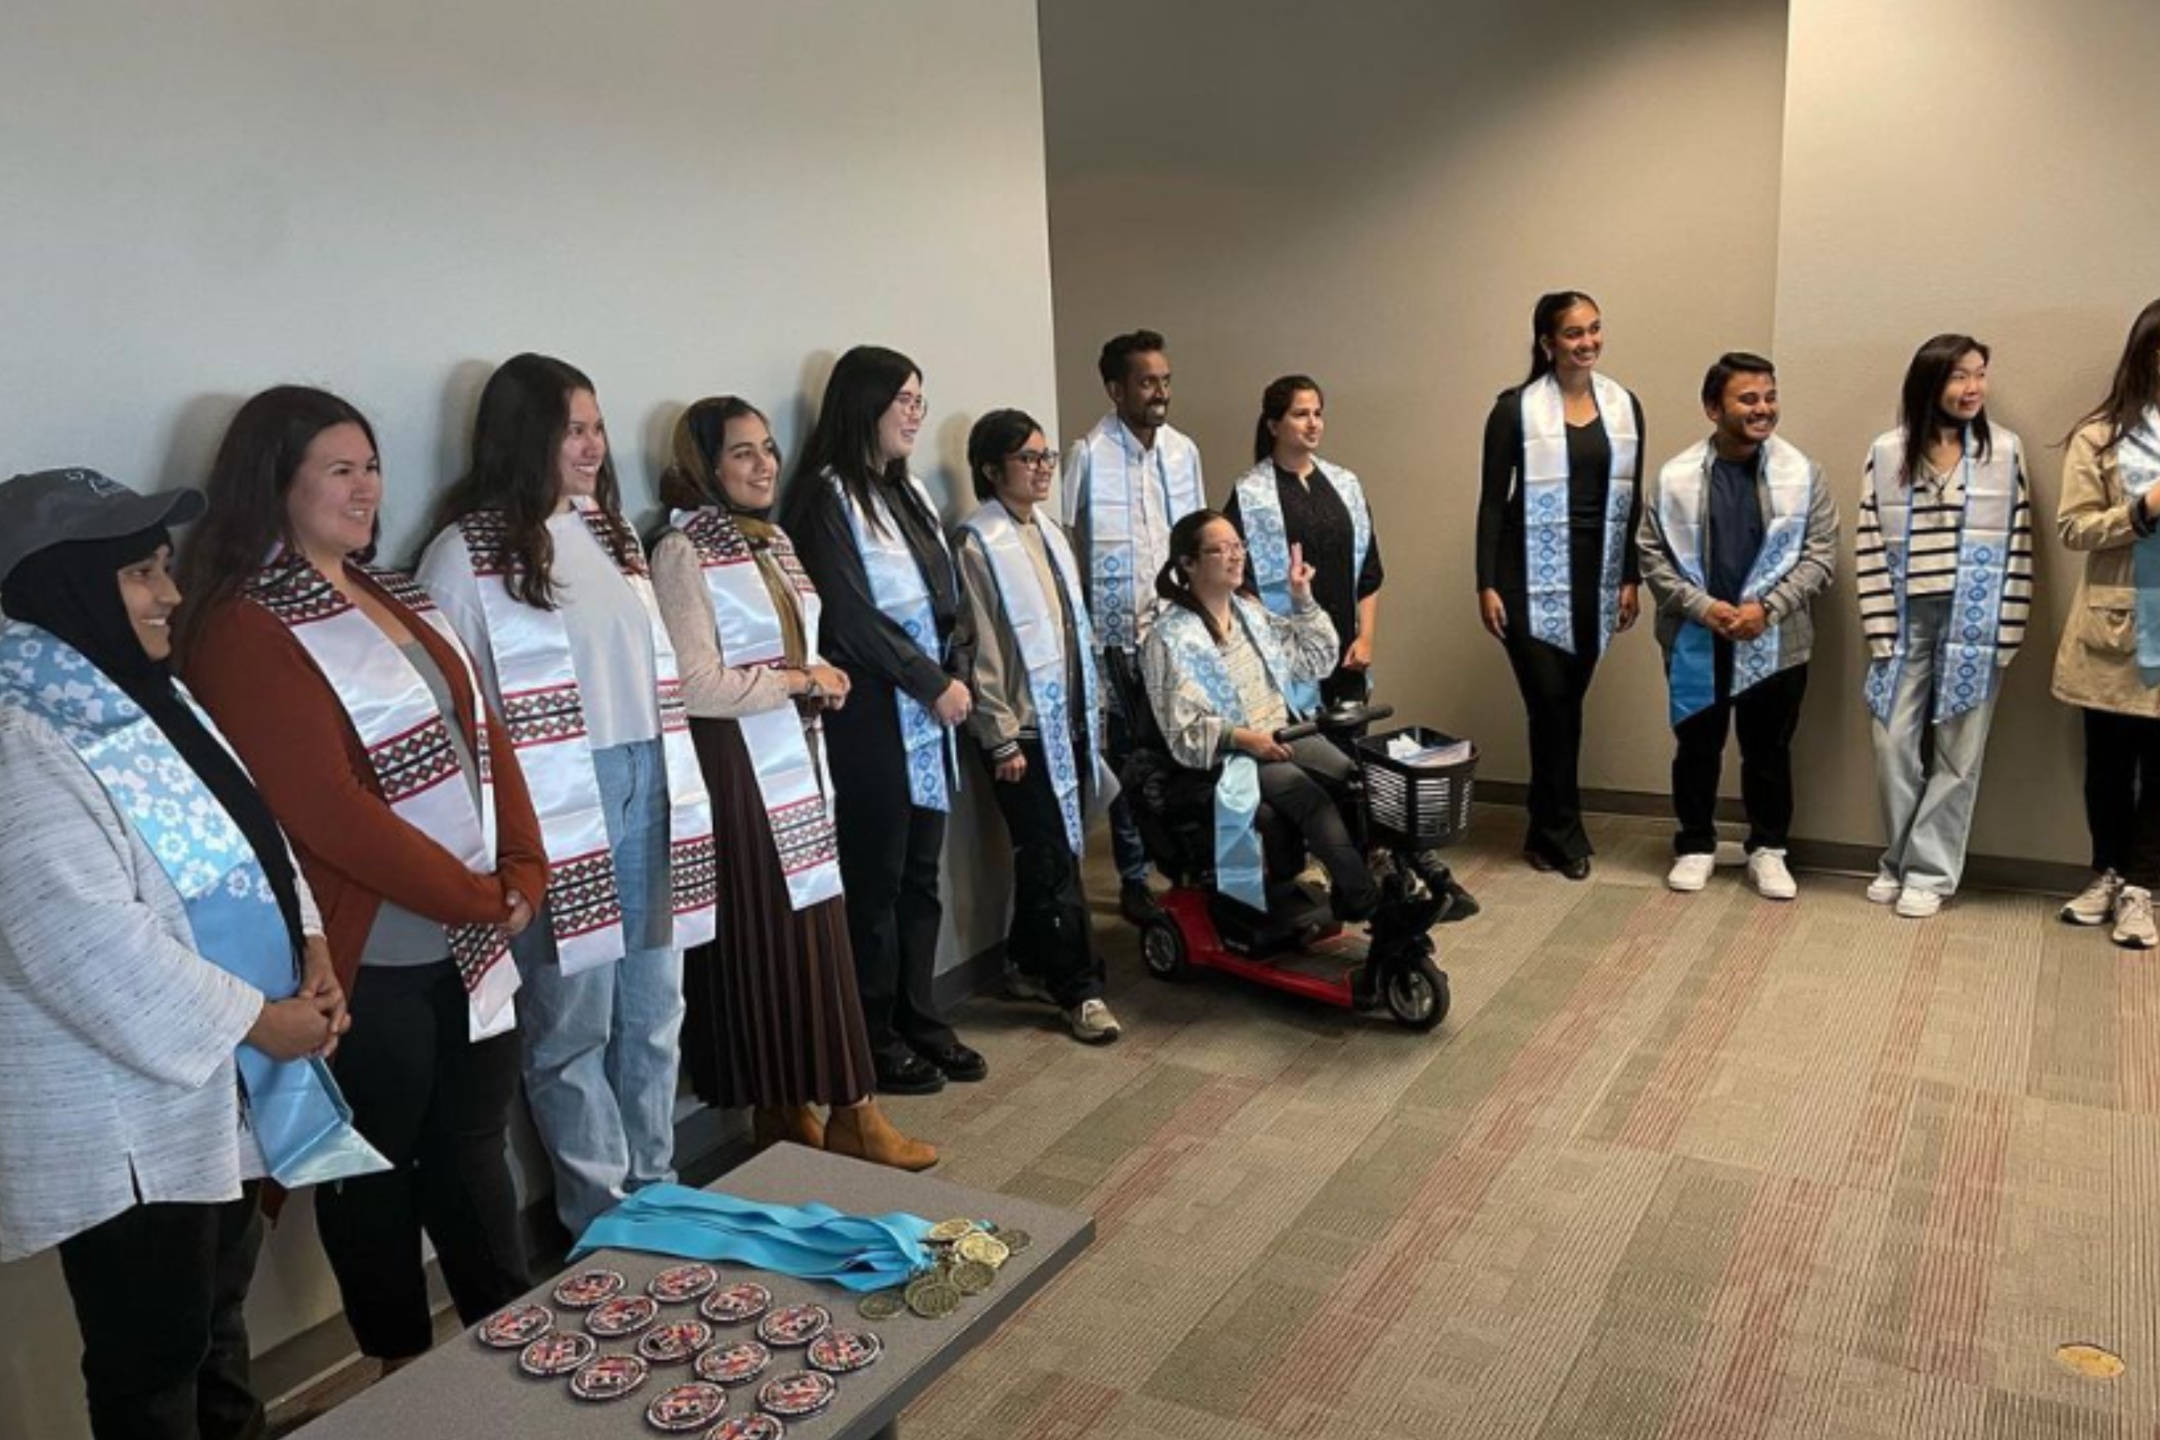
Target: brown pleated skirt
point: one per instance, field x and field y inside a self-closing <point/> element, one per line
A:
<point x="774" y="1018"/>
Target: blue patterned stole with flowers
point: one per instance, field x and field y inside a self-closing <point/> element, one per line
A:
<point x="1683" y="501"/>
<point x="2137" y="462"/>
<point x="1967" y="674"/>
<point x="1267" y="544"/>
<point x="293" y="1107"/>
<point x="1239" y="869"/>
<point x="1041" y="640"/>
<point x="1117" y="467"/>
<point x="903" y="597"/>
<point x="1548" y="558"/>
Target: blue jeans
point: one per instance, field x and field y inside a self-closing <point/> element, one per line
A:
<point x="602" y="1048"/>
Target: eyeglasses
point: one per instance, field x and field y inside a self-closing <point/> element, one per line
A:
<point x="913" y="406"/>
<point x="1035" y="459"/>
<point x="1231" y="551"/>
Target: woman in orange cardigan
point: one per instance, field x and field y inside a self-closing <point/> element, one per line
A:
<point x="355" y="708"/>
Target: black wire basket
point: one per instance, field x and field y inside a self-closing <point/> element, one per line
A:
<point x="1422" y="806"/>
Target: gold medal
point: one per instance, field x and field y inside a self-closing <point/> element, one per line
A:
<point x="933" y="1298"/>
<point x="881" y="1305"/>
<point x="972" y="1277"/>
<point x="984" y="1250"/>
<point x="946" y="1232"/>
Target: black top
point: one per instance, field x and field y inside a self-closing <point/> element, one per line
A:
<point x="1736" y="520"/>
<point x="852" y="632"/>
<point x="1317" y="518"/>
<point x="1500" y="501"/>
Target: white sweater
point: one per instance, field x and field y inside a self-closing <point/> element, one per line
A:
<point x="117" y="1081"/>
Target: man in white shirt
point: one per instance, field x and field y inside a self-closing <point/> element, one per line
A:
<point x="1126" y="482"/>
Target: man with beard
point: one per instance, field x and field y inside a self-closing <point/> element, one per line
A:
<point x="1126" y="483"/>
<point x="1738" y="535"/>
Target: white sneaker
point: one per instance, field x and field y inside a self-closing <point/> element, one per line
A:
<point x="2134" y="919"/>
<point x="2095" y="904"/>
<point x="1767" y="873"/>
<point x="1690" y="872"/>
<point x="1092" y="1023"/>
<point x="1915" y="904"/>
<point x="1884" y="889"/>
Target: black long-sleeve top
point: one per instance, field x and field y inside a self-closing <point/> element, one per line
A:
<point x="1318" y="519"/>
<point x="852" y="632"/>
<point x="1500" y="499"/>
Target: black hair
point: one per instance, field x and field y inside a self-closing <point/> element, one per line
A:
<point x="707" y="419"/>
<point x="1274" y="404"/>
<point x="1172" y="582"/>
<point x="1118" y="350"/>
<point x="515" y="468"/>
<point x="992" y="441"/>
<point x="1920" y="412"/>
<point x="2136" y="385"/>
<point x="1544" y="320"/>
<point x="1731" y="363"/>
<point x="261" y="453"/>
<point x="844" y="440"/>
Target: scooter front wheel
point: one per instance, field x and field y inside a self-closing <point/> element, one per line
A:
<point x="1162" y="949"/>
<point x="1417" y="993"/>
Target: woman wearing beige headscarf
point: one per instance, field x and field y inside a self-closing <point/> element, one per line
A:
<point x="775" y="1022"/>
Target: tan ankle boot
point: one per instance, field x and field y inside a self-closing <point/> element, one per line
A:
<point x="771" y="1124"/>
<point x="863" y="1132"/>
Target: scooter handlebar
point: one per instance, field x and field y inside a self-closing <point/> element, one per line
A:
<point x="1349" y="717"/>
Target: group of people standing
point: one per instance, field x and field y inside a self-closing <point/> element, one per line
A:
<point x="1736" y="536"/>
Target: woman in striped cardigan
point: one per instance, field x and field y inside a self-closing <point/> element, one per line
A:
<point x="1945" y="581"/>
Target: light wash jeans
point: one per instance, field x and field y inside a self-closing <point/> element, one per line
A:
<point x="602" y="1048"/>
<point x="1928" y="807"/>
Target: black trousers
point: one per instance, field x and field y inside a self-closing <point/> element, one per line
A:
<point x="889" y="849"/>
<point x="1310" y="791"/>
<point x="2122" y="794"/>
<point x="1767" y="715"/>
<point x="1051" y="936"/>
<point x="437" y="1105"/>
<point x="1553" y="685"/>
<point x="159" y="1293"/>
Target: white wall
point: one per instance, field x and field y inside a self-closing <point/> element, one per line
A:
<point x="678" y="196"/>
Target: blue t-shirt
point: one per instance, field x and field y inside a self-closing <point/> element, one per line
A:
<point x="1736" y="526"/>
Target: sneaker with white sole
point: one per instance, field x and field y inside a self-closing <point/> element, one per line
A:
<point x="2134" y="919"/>
<point x="1092" y="1023"/>
<point x="1915" y="904"/>
<point x="1767" y="873"/>
<point x="2095" y="904"/>
<point x="1884" y="889"/>
<point x="1690" y="873"/>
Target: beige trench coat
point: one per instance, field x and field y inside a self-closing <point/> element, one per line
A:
<point x="2096" y="663"/>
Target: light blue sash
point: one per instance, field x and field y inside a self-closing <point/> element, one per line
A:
<point x="1967" y="675"/>
<point x="1239" y="869"/>
<point x="2137" y="461"/>
<point x="1041" y="639"/>
<point x="1683" y="502"/>
<point x="1267" y="546"/>
<point x="809" y="1242"/>
<point x="293" y="1107"/>
<point x="1116" y="466"/>
<point x="1547" y="556"/>
<point x="903" y="596"/>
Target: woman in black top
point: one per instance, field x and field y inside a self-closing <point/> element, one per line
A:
<point x="852" y="508"/>
<point x="1556" y="561"/>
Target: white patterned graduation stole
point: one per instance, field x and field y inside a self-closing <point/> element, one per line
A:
<point x="1119" y="577"/>
<point x="1547" y="556"/>
<point x="1267" y="546"/>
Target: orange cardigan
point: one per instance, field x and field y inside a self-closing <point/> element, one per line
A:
<point x="263" y="690"/>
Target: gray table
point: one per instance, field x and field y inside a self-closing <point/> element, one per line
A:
<point x="463" y="1390"/>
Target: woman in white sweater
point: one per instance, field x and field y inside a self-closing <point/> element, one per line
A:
<point x="149" y="913"/>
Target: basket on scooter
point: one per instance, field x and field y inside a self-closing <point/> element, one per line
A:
<point x="1420" y="806"/>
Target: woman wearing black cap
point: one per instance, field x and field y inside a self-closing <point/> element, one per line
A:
<point x="142" y="865"/>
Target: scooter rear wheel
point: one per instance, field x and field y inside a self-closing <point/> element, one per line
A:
<point x="1417" y="993"/>
<point x="1162" y="949"/>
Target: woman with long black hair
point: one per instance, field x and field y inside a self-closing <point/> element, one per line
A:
<point x="871" y="539"/>
<point x="1557" y="572"/>
<point x="1944" y="571"/>
<point x="2108" y="663"/>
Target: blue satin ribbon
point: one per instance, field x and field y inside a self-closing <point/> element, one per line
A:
<point x="1691" y="678"/>
<point x="1239" y="871"/>
<point x="810" y="1242"/>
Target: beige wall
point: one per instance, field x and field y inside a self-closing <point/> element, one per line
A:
<point x="680" y="196"/>
<point x="1376" y="194"/>
<point x="1971" y="167"/>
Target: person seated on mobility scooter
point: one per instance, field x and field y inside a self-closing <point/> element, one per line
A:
<point x="1218" y="665"/>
